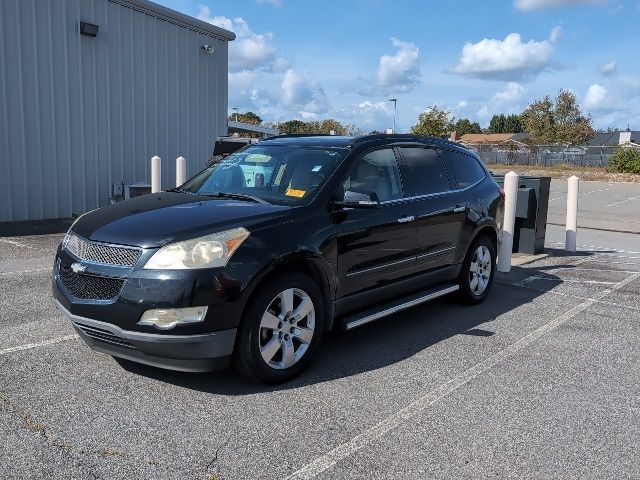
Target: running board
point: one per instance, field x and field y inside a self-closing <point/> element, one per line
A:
<point x="356" y="320"/>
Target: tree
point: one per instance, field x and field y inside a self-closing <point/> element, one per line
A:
<point x="625" y="159"/>
<point x="291" y="126"/>
<point x="497" y="123"/>
<point x="539" y="120"/>
<point x="433" y="121"/>
<point x="609" y="129"/>
<point x="464" y="126"/>
<point x="325" y="126"/>
<point x="247" y="117"/>
<point x="561" y="121"/>
<point x="501" y="123"/>
<point x="513" y="124"/>
<point x="572" y="127"/>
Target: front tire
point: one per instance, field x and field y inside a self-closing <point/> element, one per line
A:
<point x="281" y="329"/>
<point x="478" y="271"/>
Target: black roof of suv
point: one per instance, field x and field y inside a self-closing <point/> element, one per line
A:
<point x="349" y="141"/>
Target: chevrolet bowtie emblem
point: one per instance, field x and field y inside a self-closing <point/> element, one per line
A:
<point x="78" y="267"/>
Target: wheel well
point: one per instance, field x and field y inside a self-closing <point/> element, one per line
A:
<point x="490" y="232"/>
<point x="309" y="268"/>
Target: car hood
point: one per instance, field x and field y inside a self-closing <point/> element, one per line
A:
<point x="160" y="218"/>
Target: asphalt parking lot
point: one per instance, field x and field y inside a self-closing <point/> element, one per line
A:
<point x="603" y="206"/>
<point x="540" y="381"/>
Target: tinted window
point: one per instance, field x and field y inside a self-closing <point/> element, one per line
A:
<point x="423" y="172"/>
<point x="465" y="169"/>
<point x="376" y="172"/>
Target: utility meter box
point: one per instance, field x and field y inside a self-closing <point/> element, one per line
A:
<point x="531" y="213"/>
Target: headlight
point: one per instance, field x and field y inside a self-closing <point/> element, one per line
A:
<point x="209" y="251"/>
<point x="67" y="237"/>
<point x="164" y="319"/>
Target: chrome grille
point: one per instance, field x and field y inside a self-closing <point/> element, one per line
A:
<point x="101" y="252"/>
<point x="88" y="287"/>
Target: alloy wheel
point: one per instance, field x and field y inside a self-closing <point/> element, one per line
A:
<point x="287" y="328"/>
<point x="480" y="270"/>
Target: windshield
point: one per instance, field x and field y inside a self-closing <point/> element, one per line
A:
<point x="279" y="174"/>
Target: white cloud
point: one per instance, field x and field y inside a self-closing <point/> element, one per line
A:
<point x="373" y="114"/>
<point x="609" y="68"/>
<point x="399" y="72"/>
<point x="529" y="5"/>
<point x="281" y="65"/>
<point x="483" y="113"/>
<point x="510" y="94"/>
<point x="508" y="59"/>
<point x="597" y="98"/>
<point x="631" y="82"/>
<point x="242" y="81"/>
<point x="556" y="33"/>
<point x="303" y="94"/>
<point x="250" y="51"/>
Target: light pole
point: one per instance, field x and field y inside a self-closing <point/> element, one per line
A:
<point x="395" y="104"/>
<point x="235" y="109"/>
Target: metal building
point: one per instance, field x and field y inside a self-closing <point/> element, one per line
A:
<point x="90" y="90"/>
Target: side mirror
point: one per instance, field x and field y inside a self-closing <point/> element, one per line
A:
<point x="354" y="199"/>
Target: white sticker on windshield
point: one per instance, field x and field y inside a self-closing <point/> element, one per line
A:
<point x="316" y="168"/>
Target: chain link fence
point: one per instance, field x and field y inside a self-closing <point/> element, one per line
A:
<point x="544" y="155"/>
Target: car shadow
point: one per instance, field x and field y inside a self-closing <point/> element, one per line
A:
<point x="382" y="343"/>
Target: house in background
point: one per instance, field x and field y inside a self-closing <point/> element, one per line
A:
<point x="479" y="139"/>
<point x="612" y="139"/>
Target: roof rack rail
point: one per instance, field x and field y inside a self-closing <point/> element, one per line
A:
<point x="294" y="135"/>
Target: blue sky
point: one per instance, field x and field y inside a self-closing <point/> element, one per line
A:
<point x="344" y="59"/>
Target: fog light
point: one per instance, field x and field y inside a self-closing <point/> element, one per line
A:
<point x="164" y="319"/>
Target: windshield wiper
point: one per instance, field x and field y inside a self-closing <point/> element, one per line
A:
<point x="239" y="196"/>
<point x="180" y="190"/>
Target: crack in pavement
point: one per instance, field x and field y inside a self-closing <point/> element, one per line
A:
<point x="74" y="453"/>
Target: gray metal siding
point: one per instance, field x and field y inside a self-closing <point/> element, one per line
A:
<point x="78" y="114"/>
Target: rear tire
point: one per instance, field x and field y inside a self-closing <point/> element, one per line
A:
<point x="478" y="271"/>
<point x="281" y="329"/>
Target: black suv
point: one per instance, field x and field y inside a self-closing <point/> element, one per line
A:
<point x="254" y="258"/>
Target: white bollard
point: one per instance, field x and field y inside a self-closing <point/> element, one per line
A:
<point x="573" y="185"/>
<point x="511" y="198"/>
<point x="181" y="171"/>
<point x="156" y="174"/>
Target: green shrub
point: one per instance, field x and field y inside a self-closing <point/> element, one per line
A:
<point x="625" y="160"/>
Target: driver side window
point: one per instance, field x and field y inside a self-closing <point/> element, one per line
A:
<point x="377" y="172"/>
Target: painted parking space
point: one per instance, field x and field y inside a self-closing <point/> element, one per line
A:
<point x="437" y="391"/>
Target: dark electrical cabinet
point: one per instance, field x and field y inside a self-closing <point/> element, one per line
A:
<point x="531" y="213"/>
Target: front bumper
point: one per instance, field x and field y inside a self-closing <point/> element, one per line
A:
<point x="187" y="353"/>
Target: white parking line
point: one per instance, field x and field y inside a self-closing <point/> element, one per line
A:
<point x="598" y="248"/>
<point x="624" y="201"/>
<point x="367" y="437"/>
<point x="580" y="194"/>
<point x="578" y="297"/>
<point x="572" y="269"/>
<point x="533" y="278"/>
<point x="29" y="346"/>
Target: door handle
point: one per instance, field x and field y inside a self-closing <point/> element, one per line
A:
<point x="406" y="219"/>
<point x="459" y="209"/>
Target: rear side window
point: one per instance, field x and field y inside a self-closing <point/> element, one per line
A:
<point x="423" y="173"/>
<point x="465" y="169"/>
